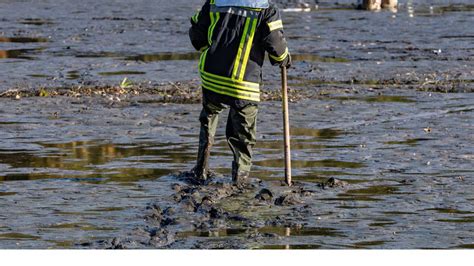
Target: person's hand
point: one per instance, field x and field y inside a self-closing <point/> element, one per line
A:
<point x="287" y="62"/>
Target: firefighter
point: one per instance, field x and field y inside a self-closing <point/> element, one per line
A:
<point x="233" y="36"/>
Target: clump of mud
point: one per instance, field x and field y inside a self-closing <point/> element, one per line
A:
<point x="214" y="209"/>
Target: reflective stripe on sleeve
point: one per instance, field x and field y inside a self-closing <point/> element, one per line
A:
<point x="275" y="25"/>
<point x="195" y="17"/>
<point x="281" y="57"/>
<point x="214" y="19"/>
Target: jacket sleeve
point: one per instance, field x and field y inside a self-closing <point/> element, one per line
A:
<point x="200" y="23"/>
<point x="274" y="40"/>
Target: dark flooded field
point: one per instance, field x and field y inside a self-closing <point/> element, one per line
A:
<point x="382" y="131"/>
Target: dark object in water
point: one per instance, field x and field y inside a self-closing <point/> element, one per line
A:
<point x="116" y="243"/>
<point x="264" y="195"/>
<point x="333" y="183"/>
<point x="286" y="200"/>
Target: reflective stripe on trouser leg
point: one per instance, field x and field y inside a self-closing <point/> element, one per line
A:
<point x="241" y="135"/>
<point x="208" y="118"/>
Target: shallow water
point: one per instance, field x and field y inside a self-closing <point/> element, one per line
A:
<point x="41" y="43"/>
<point x="77" y="172"/>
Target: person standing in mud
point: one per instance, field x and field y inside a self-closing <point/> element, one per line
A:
<point x="233" y="36"/>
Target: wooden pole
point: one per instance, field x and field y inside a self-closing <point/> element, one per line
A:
<point x="286" y="125"/>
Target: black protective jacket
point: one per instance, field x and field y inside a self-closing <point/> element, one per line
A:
<point x="233" y="41"/>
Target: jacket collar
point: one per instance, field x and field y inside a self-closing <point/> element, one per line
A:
<point x="243" y="3"/>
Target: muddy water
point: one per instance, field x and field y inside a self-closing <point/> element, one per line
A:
<point x="427" y="44"/>
<point x="91" y="172"/>
<point x="80" y="173"/>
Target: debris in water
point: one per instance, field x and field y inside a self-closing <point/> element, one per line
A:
<point x="287" y="200"/>
<point x="333" y="183"/>
<point x="264" y="195"/>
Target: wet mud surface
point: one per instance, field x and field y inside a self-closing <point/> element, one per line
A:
<point x="84" y="173"/>
<point x="382" y="155"/>
<point x="50" y="44"/>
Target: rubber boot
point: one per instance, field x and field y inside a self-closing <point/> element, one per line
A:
<point x="239" y="178"/>
<point x="201" y="170"/>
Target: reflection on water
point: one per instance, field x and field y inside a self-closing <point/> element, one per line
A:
<point x="302" y="139"/>
<point x="217" y="233"/>
<point x="465" y="246"/>
<point x="382" y="223"/>
<point x="292" y="246"/>
<point x="374" y="190"/>
<point x="365" y="244"/>
<point x="120" y="73"/>
<point x="3" y="194"/>
<point x="36" y="21"/>
<point x="330" y="163"/>
<point x="39" y="76"/>
<point x="468" y="219"/>
<point x="22" y="39"/>
<point x="316" y="58"/>
<point x="305" y="82"/>
<point x="303" y="231"/>
<point x="449" y="211"/>
<point x="96" y="160"/>
<point x="326" y="133"/>
<point x="62" y="244"/>
<point x="165" y="57"/>
<point x="17" y="236"/>
<point x="18" y="53"/>
<point x="371" y="193"/>
<point x="296" y="144"/>
<point x="270" y="230"/>
<point x="72" y="75"/>
<point x="410" y="142"/>
<point x="378" y="99"/>
<point x="78" y="226"/>
<point x="194" y="56"/>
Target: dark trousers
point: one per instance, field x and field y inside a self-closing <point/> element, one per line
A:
<point x="240" y="130"/>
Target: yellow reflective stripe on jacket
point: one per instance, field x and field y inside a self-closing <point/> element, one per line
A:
<point x="230" y="89"/>
<point x="229" y="85"/>
<point x="281" y="57"/>
<point x="223" y="85"/>
<point x="251" y="96"/>
<point x="275" y="25"/>
<point x="247" y="49"/>
<point x="232" y="82"/>
<point x="241" y="48"/>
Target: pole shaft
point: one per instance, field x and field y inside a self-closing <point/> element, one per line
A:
<point x="286" y="125"/>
